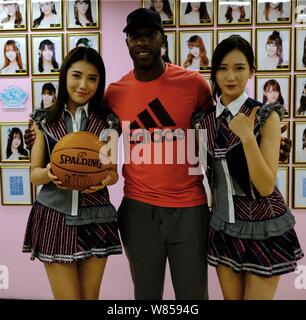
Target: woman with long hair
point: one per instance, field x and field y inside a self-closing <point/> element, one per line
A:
<point x="15" y="147"/>
<point x="163" y="8"/>
<point x="301" y="111"/>
<point x="72" y="233"/>
<point x="234" y="13"/>
<point x="82" y="13"/>
<point x="46" y="57"/>
<point x="48" y="95"/>
<point x="13" y="15"/>
<point x="48" y="15"/>
<point x="12" y="57"/>
<point x="197" y="57"/>
<point x="195" y="13"/>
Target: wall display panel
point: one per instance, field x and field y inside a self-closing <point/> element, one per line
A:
<point x="82" y="14"/>
<point x="47" y="53"/>
<point x="169" y="47"/>
<point x="225" y="33"/>
<point x="273" y="12"/>
<point x="46" y="15"/>
<point x="275" y="88"/>
<point x="166" y="9"/>
<point x="300" y="52"/>
<point x="13" y="15"/>
<point x="16" y="188"/>
<point x="44" y="92"/>
<point x="196" y="48"/>
<point x="299" y="188"/>
<point x="200" y="13"/>
<point x="231" y="13"/>
<point x="273" y="49"/>
<point x="300" y="96"/>
<point x="12" y="142"/>
<point x="299" y="142"/>
<point x="88" y="39"/>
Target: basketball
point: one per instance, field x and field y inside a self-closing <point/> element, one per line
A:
<point x="75" y="161"/>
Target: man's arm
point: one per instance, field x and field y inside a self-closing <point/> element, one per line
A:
<point x="285" y="147"/>
<point x="29" y="135"/>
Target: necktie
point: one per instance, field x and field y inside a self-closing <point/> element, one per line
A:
<point x="223" y="131"/>
<point x="84" y="121"/>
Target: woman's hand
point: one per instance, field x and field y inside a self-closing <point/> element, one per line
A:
<point x="54" y="178"/>
<point x="110" y="179"/>
<point x="243" y="125"/>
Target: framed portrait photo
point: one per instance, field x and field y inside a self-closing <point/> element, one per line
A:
<point x="300" y="11"/>
<point x="47" y="53"/>
<point x="13" y="55"/>
<point x="12" y="142"/>
<point x="200" y="13"/>
<point x="16" y="187"/>
<point x="299" y="142"/>
<point x="300" y="95"/>
<point x="299" y="188"/>
<point x="46" y="15"/>
<point x="82" y="14"/>
<point x="44" y="92"/>
<point x="273" y="49"/>
<point x="232" y="13"/>
<point x="196" y="48"/>
<point x="165" y="8"/>
<point x="168" y="49"/>
<point x="282" y="182"/>
<point x="273" y="12"/>
<point x="274" y="89"/>
<point x="244" y="33"/>
<point x="300" y="49"/>
<point x="13" y="15"/>
<point x="89" y="40"/>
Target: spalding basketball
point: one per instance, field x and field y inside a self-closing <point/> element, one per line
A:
<point x="75" y="161"/>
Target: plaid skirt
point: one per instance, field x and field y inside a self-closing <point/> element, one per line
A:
<point x="50" y="240"/>
<point x="270" y="257"/>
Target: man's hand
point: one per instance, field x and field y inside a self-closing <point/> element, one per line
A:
<point x="285" y="146"/>
<point x="29" y="135"/>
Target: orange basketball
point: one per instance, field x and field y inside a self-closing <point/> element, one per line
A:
<point x="75" y="161"/>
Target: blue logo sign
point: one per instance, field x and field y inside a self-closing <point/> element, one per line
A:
<point x="13" y="97"/>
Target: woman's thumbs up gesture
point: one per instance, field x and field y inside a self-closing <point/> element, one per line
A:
<point x="243" y="125"/>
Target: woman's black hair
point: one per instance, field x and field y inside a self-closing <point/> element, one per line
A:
<point x="21" y="150"/>
<point x="95" y="103"/>
<point x="36" y="22"/>
<point x="46" y="43"/>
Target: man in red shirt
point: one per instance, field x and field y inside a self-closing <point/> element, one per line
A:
<point x="164" y="213"/>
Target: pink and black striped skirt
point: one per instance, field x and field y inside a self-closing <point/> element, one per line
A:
<point x="50" y="240"/>
<point x="274" y="256"/>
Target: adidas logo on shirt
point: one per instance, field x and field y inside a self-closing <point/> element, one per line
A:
<point x="141" y="128"/>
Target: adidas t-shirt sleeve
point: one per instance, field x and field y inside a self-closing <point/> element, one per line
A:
<point x="204" y="96"/>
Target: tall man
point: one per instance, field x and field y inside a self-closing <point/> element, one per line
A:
<point x="164" y="213"/>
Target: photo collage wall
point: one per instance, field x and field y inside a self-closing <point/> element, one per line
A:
<point x="36" y="35"/>
<point x="34" y="38"/>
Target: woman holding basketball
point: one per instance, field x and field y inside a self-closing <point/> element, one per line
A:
<point x="72" y="232"/>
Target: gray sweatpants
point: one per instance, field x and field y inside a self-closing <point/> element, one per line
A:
<point x="152" y="234"/>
